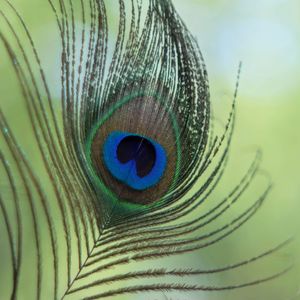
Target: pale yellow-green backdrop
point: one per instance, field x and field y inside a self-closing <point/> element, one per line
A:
<point x="265" y="36"/>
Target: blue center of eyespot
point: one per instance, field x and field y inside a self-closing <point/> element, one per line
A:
<point x="135" y="160"/>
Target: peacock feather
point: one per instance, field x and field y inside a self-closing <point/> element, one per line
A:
<point x="108" y="175"/>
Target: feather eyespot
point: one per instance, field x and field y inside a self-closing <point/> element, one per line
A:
<point x="134" y="150"/>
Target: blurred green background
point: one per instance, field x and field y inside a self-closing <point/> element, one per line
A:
<point x="265" y="36"/>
